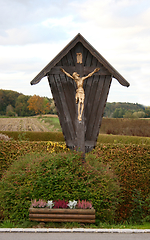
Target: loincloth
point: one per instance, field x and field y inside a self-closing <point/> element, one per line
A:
<point x="80" y="96"/>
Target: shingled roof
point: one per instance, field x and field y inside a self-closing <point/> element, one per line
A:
<point x="79" y="38"/>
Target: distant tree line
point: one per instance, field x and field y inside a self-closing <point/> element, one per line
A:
<point x="17" y="104"/>
<point x="126" y="110"/>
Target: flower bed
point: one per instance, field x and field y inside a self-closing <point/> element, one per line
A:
<point x="54" y="212"/>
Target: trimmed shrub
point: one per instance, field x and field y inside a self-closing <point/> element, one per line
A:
<point x="35" y="136"/>
<point x="126" y="126"/>
<point x="58" y="176"/>
<point x="11" y="150"/>
<point x="131" y="164"/>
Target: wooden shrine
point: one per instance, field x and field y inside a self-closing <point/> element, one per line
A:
<point x="80" y="78"/>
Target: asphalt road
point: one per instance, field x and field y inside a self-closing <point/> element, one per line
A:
<point x="75" y="236"/>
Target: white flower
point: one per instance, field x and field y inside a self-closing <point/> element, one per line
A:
<point x="72" y="204"/>
<point x="50" y="204"/>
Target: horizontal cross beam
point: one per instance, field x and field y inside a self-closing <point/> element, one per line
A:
<point x="71" y="69"/>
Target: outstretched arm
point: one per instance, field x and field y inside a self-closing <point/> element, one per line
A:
<point x="66" y="73"/>
<point x="90" y="74"/>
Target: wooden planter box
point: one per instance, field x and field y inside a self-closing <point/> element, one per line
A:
<point x="62" y="215"/>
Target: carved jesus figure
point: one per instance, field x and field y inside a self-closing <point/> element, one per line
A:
<point x="80" y="91"/>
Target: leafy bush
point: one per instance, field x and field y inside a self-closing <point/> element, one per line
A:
<point x="11" y="114"/>
<point x="57" y="176"/>
<point x="137" y="210"/>
<point x="11" y="150"/>
<point x="131" y="164"/>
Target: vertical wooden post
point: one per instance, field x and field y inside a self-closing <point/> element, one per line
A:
<point x="80" y="126"/>
<point x="80" y="131"/>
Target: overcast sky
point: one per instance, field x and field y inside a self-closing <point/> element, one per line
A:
<point x="33" y="32"/>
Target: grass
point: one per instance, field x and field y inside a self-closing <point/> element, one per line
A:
<point x="121" y="139"/>
<point x="28" y="224"/>
<point x="52" y="123"/>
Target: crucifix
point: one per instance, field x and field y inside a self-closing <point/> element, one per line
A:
<point x="80" y="79"/>
<point x="78" y="75"/>
<point x="80" y="91"/>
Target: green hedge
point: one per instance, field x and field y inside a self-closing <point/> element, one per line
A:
<point x="35" y="136"/>
<point x="11" y="150"/>
<point x="58" y="176"/>
<point x="58" y="137"/>
<point x="130" y="163"/>
<point x="116" y="139"/>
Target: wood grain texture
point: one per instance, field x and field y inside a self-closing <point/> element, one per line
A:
<point x="80" y="136"/>
<point x="62" y="215"/>
<point x="62" y="211"/>
<point x="62" y="220"/>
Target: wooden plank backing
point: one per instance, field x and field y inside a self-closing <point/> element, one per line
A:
<point x="95" y="108"/>
<point x="96" y="89"/>
<point x="60" y="98"/>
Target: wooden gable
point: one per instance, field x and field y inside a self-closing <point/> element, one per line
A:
<point x="79" y="56"/>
